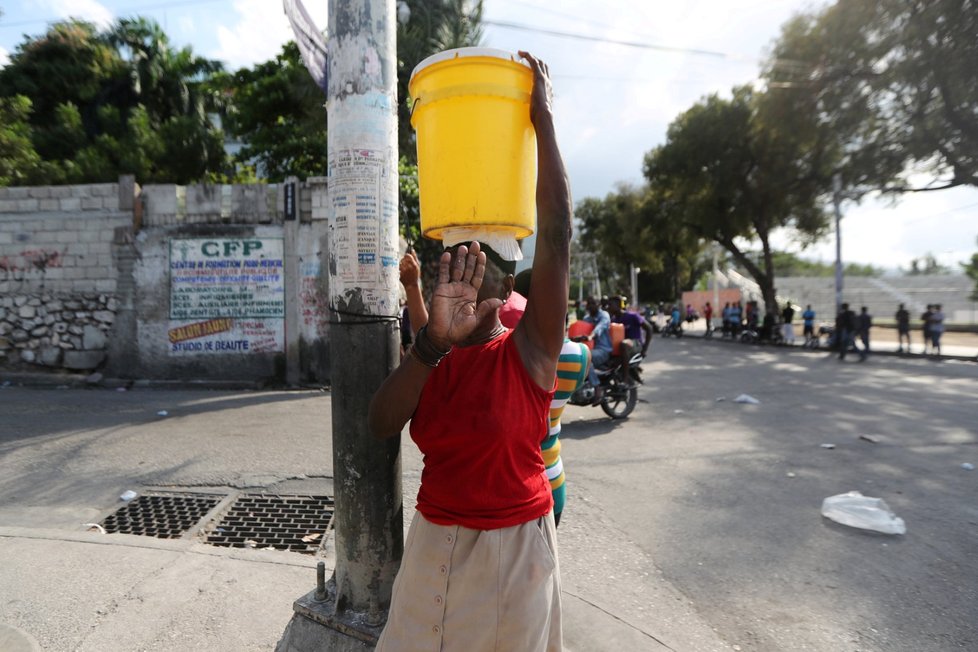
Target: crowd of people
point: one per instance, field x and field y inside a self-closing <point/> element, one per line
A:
<point x="849" y="327"/>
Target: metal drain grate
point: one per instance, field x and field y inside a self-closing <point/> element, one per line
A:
<point x="165" y="516"/>
<point x="294" y="523"/>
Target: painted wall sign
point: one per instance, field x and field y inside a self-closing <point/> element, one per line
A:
<point x="213" y="278"/>
<point x="227" y="296"/>
<point x="223" y="336"/>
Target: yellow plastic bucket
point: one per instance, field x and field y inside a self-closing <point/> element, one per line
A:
<point x="477" y="157"/>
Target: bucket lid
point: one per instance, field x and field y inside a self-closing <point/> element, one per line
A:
<point x="458" y="53"/>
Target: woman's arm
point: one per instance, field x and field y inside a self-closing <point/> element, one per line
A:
<point x="410" y="269"/>
<point x="540" y="333"/>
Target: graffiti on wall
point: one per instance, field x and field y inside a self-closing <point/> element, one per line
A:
<point x="30" y="264"/>
<point x="313" y="299"/>
<point x="227" y="295"/>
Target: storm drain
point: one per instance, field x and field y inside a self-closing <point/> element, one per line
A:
<point x="294" y="523"/>
<point x="165" y="516"/>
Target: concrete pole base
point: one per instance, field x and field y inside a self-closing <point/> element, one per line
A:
<point x="316" y="626"/>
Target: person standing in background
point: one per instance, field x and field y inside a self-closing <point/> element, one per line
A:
<point x="845" y="327"/>
<point x="863" y="323"/>
<point x="936" y="329"/>
<point x="903" y="328"/>
<point x="809" y="320"/>
<point x="925" y="326"/>
<point x="788" y="314"/>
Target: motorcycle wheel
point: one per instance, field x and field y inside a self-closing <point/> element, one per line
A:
<point x="619" y="400"/>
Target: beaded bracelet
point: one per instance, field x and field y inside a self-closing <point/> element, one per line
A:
<point x="424" y="351"/>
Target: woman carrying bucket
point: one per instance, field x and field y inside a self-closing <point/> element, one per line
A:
<point x="480" y="568"/>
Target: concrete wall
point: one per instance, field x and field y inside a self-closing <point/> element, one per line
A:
<point x="165" y="281"/>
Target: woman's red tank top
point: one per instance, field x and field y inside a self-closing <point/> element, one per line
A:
<point x="479" y="423"/>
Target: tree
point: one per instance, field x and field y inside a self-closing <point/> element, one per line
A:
<point x="927" y="265"/>
<point x="433" y="26"/>
<point x="19" y="162"/>
<point x="971" y="269"/>
<point x="276" y="110"/>
<point x="895" y="81"/>
<point x="114" y="103"/>
<point x="635" y="226"/>
<point x="740" y="168"/>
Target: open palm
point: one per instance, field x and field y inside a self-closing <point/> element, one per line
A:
<point x="455" y="310"/>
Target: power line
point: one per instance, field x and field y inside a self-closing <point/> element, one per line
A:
<point x="562" y="14"/>
<point x="715" y="54"/>
<point x="598" y="39"/>
<point x="941" y="214"/>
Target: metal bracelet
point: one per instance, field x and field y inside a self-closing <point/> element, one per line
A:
<point x="424" y="351"/>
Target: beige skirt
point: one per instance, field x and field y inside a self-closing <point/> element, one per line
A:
<point x="476" y="590"/>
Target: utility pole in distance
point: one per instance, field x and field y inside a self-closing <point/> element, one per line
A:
<point x="836" y="201"/>
<point x="349" y="612"/>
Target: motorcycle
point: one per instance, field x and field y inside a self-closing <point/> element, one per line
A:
<point x="672" y="329"/>
<point x="620" y="397"/>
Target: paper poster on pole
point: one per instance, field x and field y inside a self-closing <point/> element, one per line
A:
<point x="363" y="195"/>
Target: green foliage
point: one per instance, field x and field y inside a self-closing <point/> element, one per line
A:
<point x="741" y="168"/>
<point x="927" y="265"/>
<point x="120" y="102"/>
<point x="640" y="226"/>
<point x="434" y="26"/>
<point x="895" y="82"/>
<point x="410" y="198"/>
<point x="276" y="110"/>
<point x="19" y="162"/>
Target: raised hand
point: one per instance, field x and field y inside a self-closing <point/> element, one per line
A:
<point x="410" y="268"/>
<point x="541" y="100"/>
<point x="455" y="310"/>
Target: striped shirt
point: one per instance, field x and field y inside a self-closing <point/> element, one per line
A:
<point x="571" y="372"/>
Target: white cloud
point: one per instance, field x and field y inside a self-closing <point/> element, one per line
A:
<point x="89" y="10"/>
<point x="258" y="30"/>
<point x="4" y="57"/>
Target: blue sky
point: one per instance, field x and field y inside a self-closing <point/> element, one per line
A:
<point x="613" y="102"/>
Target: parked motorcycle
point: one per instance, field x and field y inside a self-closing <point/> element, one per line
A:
<point x="620" y="397"/>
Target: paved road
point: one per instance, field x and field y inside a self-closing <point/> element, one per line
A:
<point x="725" y="497"/>
<point x="682" y="530"/>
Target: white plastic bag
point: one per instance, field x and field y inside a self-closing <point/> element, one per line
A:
<point x="747" y="398"/>
<point x="865" y="512"/>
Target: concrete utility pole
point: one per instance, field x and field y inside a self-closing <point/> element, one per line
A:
<point x="634" y="280"/>
<point x="836" y="201"/>
<point x="363" y="285"/>
<point x="716" y="281"/>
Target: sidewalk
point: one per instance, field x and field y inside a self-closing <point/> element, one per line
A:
<point x="86" y="591"/>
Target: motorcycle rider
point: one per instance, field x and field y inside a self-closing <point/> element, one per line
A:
<point x="601" y="338"/>
<point x="676" y="322"/>
<point x="634" y="325"/>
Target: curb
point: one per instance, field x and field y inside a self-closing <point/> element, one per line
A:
<point x="822" y="349"/>
<point x="78" y="381"/>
